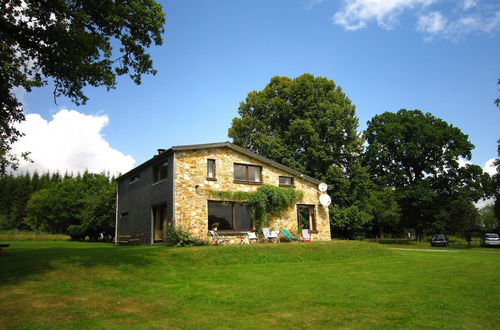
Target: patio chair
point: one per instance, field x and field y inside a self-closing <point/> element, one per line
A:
<point x="271" y="236"/>
<point x="288" y="235"/>
<point x="306" y="235"/>
<point x="252" y="237"/>
<point x="216" y="238"/>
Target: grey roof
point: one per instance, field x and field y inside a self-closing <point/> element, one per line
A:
<point x="231" y="146"/>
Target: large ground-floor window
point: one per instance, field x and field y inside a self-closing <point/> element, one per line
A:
<point x="229" y="216"/>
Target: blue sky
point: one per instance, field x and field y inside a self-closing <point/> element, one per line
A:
<point x="440" y="56"/>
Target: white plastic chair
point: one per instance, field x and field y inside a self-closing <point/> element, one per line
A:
<point x="271" y="236"/>
<point x="306" y="235"/>
<point x="252" y="237"/>
<point x="216" y="238"/>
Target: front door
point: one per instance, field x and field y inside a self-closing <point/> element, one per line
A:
<point x="159" y="223"/>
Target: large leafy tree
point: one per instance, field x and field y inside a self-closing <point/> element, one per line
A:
<point x="309" y="124"/>
<point x="418" y="154"/>
<point x="73" y="44"/>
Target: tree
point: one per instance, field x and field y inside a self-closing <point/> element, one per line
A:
<point x="83" y="204"/>
<point x="418" y="155"/>
<point x="383" y="207"/>
<point x="309" y="124"/>
<point x="73" y="44"/>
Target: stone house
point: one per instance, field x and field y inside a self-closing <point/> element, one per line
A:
<point x="174" y="187"/>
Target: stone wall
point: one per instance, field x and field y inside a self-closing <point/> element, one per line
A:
<point x="191" y="195"/>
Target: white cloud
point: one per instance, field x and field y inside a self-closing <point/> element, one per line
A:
<point x="71" y="142"/>
<point x="357" y="13"/>
<point x="484" y="202"/>
<point x="433" y="22"/>
<point x="454" y="21"/>
<point x="467" y="4"/>
<point x="489" y="167"/>
<point x="311" y="3"/>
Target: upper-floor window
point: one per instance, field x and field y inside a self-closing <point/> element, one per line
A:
<point x="210" y="169"/>
<point x="160" y="171"/>
<point x="286" y="181"/>
<point x="134" y="178"/>
<point x="247" y="173"/>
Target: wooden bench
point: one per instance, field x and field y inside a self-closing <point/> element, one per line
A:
<point x="123" y="239"/>
<point x="129" y="239"/>
<point x="1" y="248"/>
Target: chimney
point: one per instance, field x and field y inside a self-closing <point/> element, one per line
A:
<point x="160" y="151"/>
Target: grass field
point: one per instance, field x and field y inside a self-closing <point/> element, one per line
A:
<point x="341" y="284"/>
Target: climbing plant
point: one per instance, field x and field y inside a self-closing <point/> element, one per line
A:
<point x="266" y="202"/>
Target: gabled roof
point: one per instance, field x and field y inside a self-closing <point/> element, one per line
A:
<point x="229" y="145"/>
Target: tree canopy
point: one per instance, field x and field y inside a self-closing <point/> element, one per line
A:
<point x="73" y="44"/>
<point x="406" y="147"/>
<point x="309" y="124"/>
<point x="306" y="123"/>
<point x="418" y="154"/>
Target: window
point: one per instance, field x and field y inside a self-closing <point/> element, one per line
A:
<point x="133" y="178"/>
<point x="286" y="181"/>
<point x="306" y="218"/>
<point x="229" y="216"/>
<point x="247" y="173"/>
<point x="160" y="171"/>
<point x="211" y="169"/>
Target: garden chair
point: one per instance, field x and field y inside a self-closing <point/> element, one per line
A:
<point x="216" y="238"/>
<point x="271" y="236"/>
<point x="252" y="237"/>
<point x="288" y="235"/>
<point x="306" y="235"/>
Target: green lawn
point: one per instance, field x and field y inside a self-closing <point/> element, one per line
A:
<point x="342" y="284"/>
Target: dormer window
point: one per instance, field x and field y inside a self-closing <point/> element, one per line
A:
<point x="160" y="171"/>
<point x="134" y="178"/>
<point x="211" y="169"/>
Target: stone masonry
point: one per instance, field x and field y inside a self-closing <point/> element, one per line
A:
<point x="191" y="196"/>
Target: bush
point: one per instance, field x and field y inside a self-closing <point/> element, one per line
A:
<point x="178" y="237"/>
<point x="77" y="232"/>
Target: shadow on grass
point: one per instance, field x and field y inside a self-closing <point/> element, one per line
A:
<point x="393" y="241"/>
<point x="25" y="259"/>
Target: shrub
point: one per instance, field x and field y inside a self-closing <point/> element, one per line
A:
<point x="77" y="232"/>
<point x="178" y="237"/>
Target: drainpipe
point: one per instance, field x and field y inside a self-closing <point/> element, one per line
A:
<point x="116" y="216"/>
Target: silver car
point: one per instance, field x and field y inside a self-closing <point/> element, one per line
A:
<point x="490" y="239"/>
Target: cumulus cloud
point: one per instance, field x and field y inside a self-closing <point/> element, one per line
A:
<point x="461" y="19"/>
<point x="71" y="141"/>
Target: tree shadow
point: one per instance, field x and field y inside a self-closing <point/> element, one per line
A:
<point x="395" y="242"/>
<point x="25" y="260"/>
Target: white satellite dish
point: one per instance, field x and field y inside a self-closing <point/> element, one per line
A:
<point x="322" y="187"/>
<point x="325" y="200"/>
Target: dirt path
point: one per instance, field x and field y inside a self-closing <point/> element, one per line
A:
<point x="448" y="251"/>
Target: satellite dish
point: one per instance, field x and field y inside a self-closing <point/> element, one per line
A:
<point x="322" y="187"/>
<point x="325" y="200"/>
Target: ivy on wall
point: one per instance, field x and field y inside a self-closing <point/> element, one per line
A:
<point x="266" y="202"/>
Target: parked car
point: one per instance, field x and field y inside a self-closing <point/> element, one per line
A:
<point x="490" y="239"/>
<point x="439" y="240"/>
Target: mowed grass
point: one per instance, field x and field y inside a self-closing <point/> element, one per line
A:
<point x="340" y="284"/>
